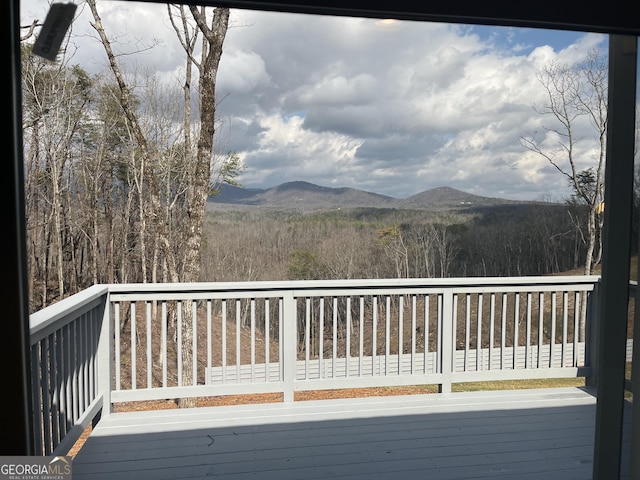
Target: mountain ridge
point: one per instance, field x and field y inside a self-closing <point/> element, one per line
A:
<point x="301" y="195"/>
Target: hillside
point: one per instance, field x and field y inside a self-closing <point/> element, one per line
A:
<point x="305" y="196"/>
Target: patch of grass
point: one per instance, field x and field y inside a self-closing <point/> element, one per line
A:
<point x="519" y="384"/>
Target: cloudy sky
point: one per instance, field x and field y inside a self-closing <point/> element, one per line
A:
<point x="389" y="107"/>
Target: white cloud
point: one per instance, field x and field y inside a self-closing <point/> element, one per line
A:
<point x="394" y="107"/>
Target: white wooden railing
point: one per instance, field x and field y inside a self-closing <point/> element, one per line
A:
<point x="119" y="343"/>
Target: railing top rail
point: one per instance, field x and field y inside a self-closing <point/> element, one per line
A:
<point x="576" y="281"/>
<point x="43" y="320"/>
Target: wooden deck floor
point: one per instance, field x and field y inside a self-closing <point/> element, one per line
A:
<point x="526" y="434"/>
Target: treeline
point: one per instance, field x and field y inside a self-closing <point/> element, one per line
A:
<point x="516" y="240"/>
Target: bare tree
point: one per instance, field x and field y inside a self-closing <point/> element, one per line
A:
<point x="576" y="94"/>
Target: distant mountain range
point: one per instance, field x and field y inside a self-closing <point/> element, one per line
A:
<point x="307" y="196"/>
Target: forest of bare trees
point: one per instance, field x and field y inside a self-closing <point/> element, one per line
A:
<point x="254" y="244"/>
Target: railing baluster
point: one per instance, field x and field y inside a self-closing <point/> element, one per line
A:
<point x="238" y="335"/>
<point x="179" y="341"/>
<point x="553" y="330"/>
<point x="527" y="361"/>
<point x="540" y="328"/>
<point x="209" y="340"/>
<point x="165" y="320"/>
<point x="400" y="332"/>
<point x="307" y="335"/>
<point x="565" y="322"/>
<point x="253" y="339"/>
<point x="149" y="341"/>
<point x="467" y="333"/>
<point x="194" y="343"/>
<point x="361" y="338"/>
<point x="414" y="313"/>
<point x="387" y="334"/>
<point x="503" y="331"/>
<point x="322" y="373"/>
<point x="267" y="337"/>
<point x="576" y="319"/>
<point x="224" y="341"/>
<point x="516" y="324"/>
<point x="335" y="336"/>
<point x="492" y="328"/>
<point x="479" y="362"/>
<point x="348" y="338"/>
<point x="134" y="354"/>
<point x="117" y="356"/>
<point x="374" y="335"/>
<point x="427" y="302"/>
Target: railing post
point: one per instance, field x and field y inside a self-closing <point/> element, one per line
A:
<point x="593" y="335"/>
<point x="289" y="345"/>
<point x="448" y="336"/>
<point x="104" y="358"/>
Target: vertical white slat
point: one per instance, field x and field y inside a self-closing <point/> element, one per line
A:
<point x="68" y="373"/>
<point x="361" y="339"/>
<point x="253" y="340"/>
<point x="400" y="332"/>
<point x="374" y="335"/>
<point x="267" y="339"/>
<point x="87" y="358"/>
<point x="516" y="325"/>
<point x="238" y="339"/>
<point x="479" y="362"/>
<point x="335" y="337"/>
<point x="348" y="338"/>
<point x="223" y="339"/>
<point x="492" y="327"/>
<point x="453" y="334"/>
<point x="414" y="321"/>
<point x="80" y="359"/>
<point x="209" y="340"/>
<point x="55" y="379"/>
<point x="427" y="313"/>
<point x="82" y="363"/>
<point x="149" y="354"/>
<point x="116" y="333"/>
<point x="528" y="333"/>
<point x="553" y="329"/>
<point x="76" y="373"/>
<point x="36" y="397"/>
<point x="60" y="385"/>
<point x="289" y="345"/>
<point x="440" y="322"/>
<point x="565" y="326"/>
<point x="503" y="330"/>
<point x="576" y="319"/>
<point x="307" y="336"/>
<point x="540" y="328"/>
<point x="92" y="348"/>
<point x="164" y="344"/>
<point x="387" y="334"/>
<point x="105" y="345"/>
<point x="133" y="347"/>
<point x="281" y="347"/>
<point x="467" y="333"/>
<point x="321" y="370"/>
<point x="448" y="314"/>
<point x="194" y="343"/>
<point x="93" y="367"/>
<point x="179" y="327"/>
<point x="45" y="405"/>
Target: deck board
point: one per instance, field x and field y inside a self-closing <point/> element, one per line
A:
<point x="527" y="434"/>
